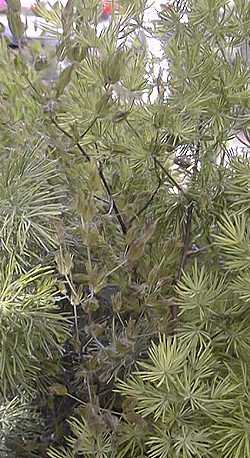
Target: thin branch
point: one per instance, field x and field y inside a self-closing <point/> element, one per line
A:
<point x="61" y="129"/>
<point x="243" y="142"/>
<point x="222" y="52"/>
<point x="224" y="153"/>
<point x="116" y="210"/>
<point x="93" y="121"/>
<point x="187" y="228"/>
<point x="89" y="127"/>
<point x="156" y="161"/>
<point x="186" y="241"/>
<point x="184" y="255"/>
<point x="101" y="175"/>
<point x="150" y="200"/>
<point x="198" y="251"/>
<point x="87" y="157"/>
<point x="33" y="87"/>
<point x="115" y="269"/>
<point x="247" y="136"/>
<point x="198" y="148"/>
<point x="171" y="179"/>
<point x="133" y="130"/>
<point x="100" y="199"/>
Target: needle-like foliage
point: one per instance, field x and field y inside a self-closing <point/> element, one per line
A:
<point x="124" y="232"/>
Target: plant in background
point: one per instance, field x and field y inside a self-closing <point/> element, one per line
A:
<point x="125" y="211"/>
<point x="30" y="198"/>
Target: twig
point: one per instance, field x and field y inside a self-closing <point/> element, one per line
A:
<point x="70" y="283"/>
<point x="156" y="161"/>
<point x="197" y="252"/>
<point x="186" y="241"/>
<point x="87" y="157"/>
<point x="171" y="179"/>
<point x="116" y="210"/>
<point x="133" y="130"/>
<point x="85" y="404"/>
<point x="146" y="205"/>
<point x="60" y="128"/>
<point x="247" y="136"/>
<point x="243" y="142"/>
<point x="101" y="175"/>
<point x="89" y="127"/>
<point x="184" y="255"/>
<point x="115" y="269"/>
<point x="33" y="87"/>
<point x="222" y="52"/>
<point x="150" y="200"/>
<point x="187" y="229"/>
<point x="100" y="199"/>
<point x="197" y="149"/>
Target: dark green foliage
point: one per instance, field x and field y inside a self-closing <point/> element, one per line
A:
<point x="125" y="236"/>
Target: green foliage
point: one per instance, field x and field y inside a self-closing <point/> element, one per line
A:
<point x="20" y="426"/>
<point x="31" y="196"/>
<point x="124" y="234"/>
<point x="187" y="402"/>
<point x="86" y="442"/>
<point x="30" y="327"/>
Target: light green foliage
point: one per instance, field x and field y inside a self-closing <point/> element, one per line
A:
<point x="31" y="196"/>
<point x="85" y="441"/>
<point x="30" y="327"/>
<point x="121" y="201"/>
<point x="19" y="422"/>
<point x="191" y="400"/>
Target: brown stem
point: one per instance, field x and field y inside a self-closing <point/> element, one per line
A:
<point x="116" y="210"/>
<point x="150" y="200"/>
<point x="184" y="255"/>
<point x="186" y="241"/>
<point x="81" y="149"/>
<point x="89" y="127"/>
<point x="33" y="87"/>
<point x="101" y="175"/>
<point x="146" y="205"/>
<point x="171" y="179"/>
<point x="242" y="141"/>
<point x="247" y="136"/>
